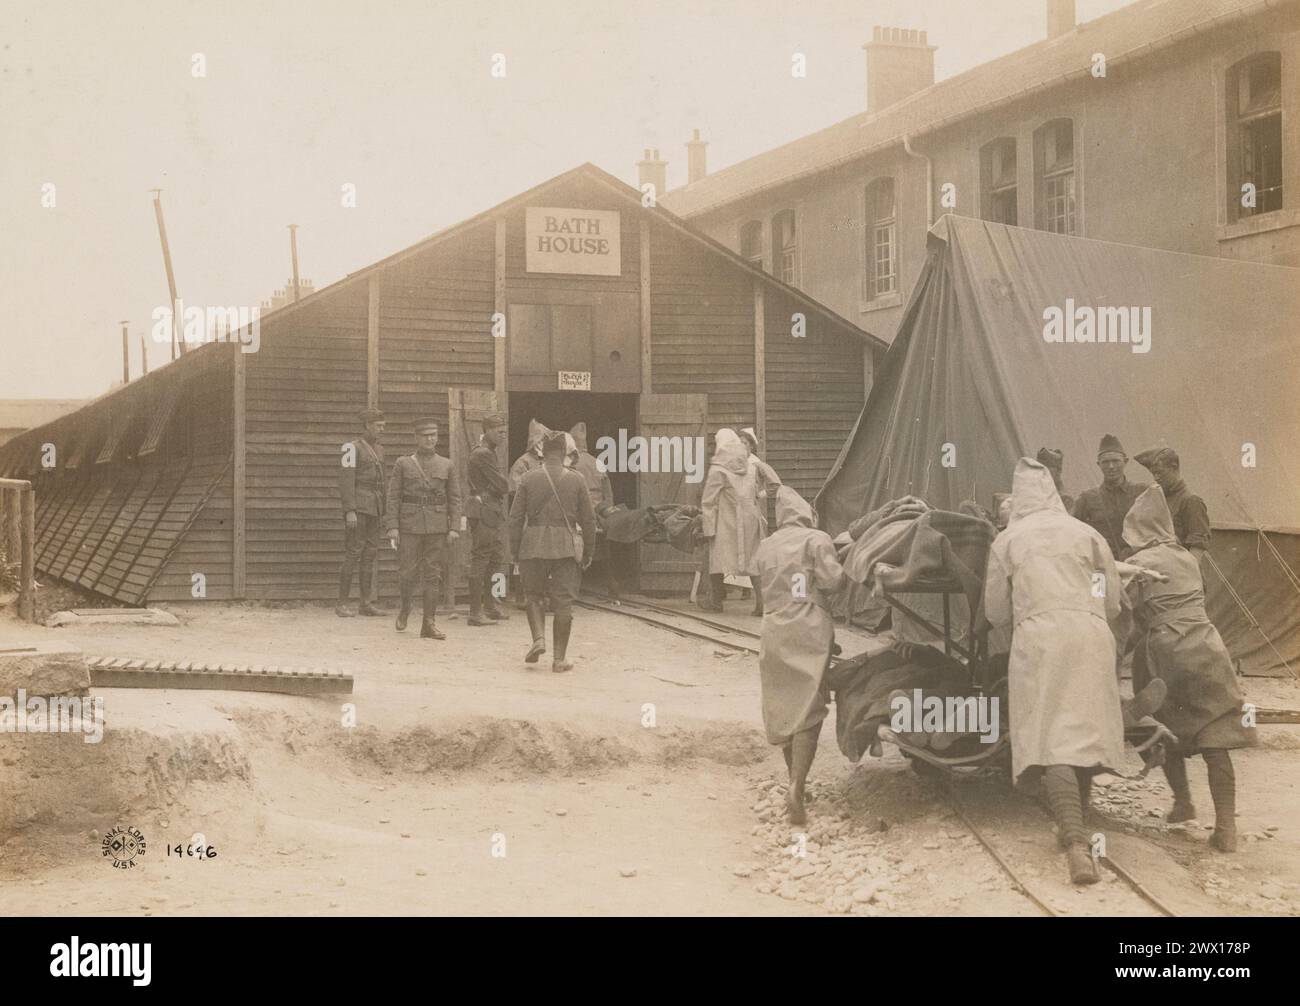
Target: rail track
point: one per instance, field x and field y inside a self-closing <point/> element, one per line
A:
<point x="696" y="626"/>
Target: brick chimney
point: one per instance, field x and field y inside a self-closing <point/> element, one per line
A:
<point x="899" y="63"/>
<point x="1060" y="17"/>
<point x="652" y="169"/>
<point x="695" y="164"/>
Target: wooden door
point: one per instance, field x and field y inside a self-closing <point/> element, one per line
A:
<point x="663" y="568"/>
<point x="466" y="408"/>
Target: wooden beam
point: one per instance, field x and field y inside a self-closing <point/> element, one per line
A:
<point x="499" y="307"/>
<point x="372" y="344"/>
<point x="27" y="574"/>
<point x="647" y="376"/>
<point x="238" y="487"/>
<point x="760" y="364"/>
<point x="868" y="370"/>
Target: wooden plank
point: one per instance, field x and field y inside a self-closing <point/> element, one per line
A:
<point x="499" y="307"/>
<point x="239" y="485"/>
<point x="372" y="344"/>
<point x="27" y="574"/>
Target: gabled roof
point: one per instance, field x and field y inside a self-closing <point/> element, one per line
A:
<point x="25" y="413"/>
<point x="588" y="171"/>
<point x="1123" y="35"/>
<point x="619" y="188"/>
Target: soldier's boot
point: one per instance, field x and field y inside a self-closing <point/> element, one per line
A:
<point x="1223" y="791"/>
<point x="1176" y="773"/>
<point x="758" y="598"/>
<point x="404" y="612"/>
<point x="536" y="625"/>
<point x="1061" y="787"/>
<point x="490" y="606"/>
<point x="366" y="607"/>
<point x="428" y="623"/>
<point x="560" y="629"/>
<point x="476" y="601"/>
<point x="345" y="588"/>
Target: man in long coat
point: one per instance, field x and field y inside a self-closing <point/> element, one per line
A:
<point x="1052" y="580"/>
<point x="1203" y="706"/>
<point x="797" y="572"/>
<point x="730" y="518"/>
<point x="766" y="482"/>
<point x="550" y="504"/>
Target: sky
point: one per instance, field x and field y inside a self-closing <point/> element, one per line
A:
<point x="99" y="104"/>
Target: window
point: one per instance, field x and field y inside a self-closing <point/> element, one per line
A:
<point x="751" y="243"/>
<point x="998" y="181"/>
<point x="1254" y="118"/>
<point x="1054" y="173"/>
<point x="881" y="239"/>
<point x="784" y="247"/>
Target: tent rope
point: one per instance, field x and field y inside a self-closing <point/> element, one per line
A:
<point x="1249" y="615"/>
<point x="1287" y="570"/>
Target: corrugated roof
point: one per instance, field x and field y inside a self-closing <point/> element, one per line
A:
<point x="1122" y="35"/>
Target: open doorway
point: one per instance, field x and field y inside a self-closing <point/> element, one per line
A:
<point x="604" y="414"/>
<point x="616" y="567"/>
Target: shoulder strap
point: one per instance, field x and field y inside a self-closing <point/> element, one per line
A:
<point x="554" y="493"/>
<point x="424" y="475"/>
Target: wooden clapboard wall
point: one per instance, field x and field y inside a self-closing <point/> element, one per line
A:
<point x="814" y="386"/>
<point x="435" y="333"/>
<point x="303" y="389"/>
<point x="701" y="327"/>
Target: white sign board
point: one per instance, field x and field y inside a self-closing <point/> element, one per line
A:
<point x="584" y="242"/>
<point x="575" y="380"/>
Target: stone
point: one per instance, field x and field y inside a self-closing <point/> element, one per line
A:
<point x="43" y="668"/>
<point x="741" y="870"/>
<point x="627" y="872"/>
<point x="81" y="617"/>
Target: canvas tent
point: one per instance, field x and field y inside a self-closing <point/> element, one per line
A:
<point x="970" y="384"/>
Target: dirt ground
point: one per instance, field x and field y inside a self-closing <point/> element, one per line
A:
<point x="472" y="783"/>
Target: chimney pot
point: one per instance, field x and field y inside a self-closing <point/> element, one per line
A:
<point x="652" y="170"/>
<point x="695" y="162"/>
<point x="900" y="62"/>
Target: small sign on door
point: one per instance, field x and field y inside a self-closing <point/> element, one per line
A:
<point x="575" y="380"/>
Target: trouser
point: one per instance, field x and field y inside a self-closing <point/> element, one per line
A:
<point x="360" y="545"/>
<point x="1221" y="776"/>
<point x="485" y="559"/>
<point x="556" y="580"/>
<point x="420" y="562"/>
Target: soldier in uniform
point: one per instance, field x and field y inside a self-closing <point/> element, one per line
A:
<point x="1104" y="507"/>
<point x="486" y="511"/>
<point x="1190" y="514"/>
<point x="550" y="505"/>
<point x="423" y="517"/>
<point x="361" y="492"/>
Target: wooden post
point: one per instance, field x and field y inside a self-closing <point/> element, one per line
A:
<point x="372" y="344"/>
<point x="868" y="370"/>
<point x="27" y="581"/>
<point x="238" y="488"/>
<point x="760" y="364"/>
<point x="13" y="518"/>
<point x="499" y="307"/>
<point x="647" y="376"/>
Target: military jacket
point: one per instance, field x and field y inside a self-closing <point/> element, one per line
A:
<point x="423" y="496"/>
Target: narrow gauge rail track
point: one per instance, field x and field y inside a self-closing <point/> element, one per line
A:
<point x="692" y="625"/>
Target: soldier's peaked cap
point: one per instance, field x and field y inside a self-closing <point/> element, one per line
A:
<point x="493" y="421"/>
<point x="370" y="415"/>
<point x="426" y="425"/>
<point x="1158" y="456"/>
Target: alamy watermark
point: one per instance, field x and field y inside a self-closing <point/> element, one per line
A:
<point x="58" y="714"/>
<point x="214" y="323"/>
<point x="1126" y="325"/>
<point x="951" y="714"/>
<point x="652" y="454"/>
